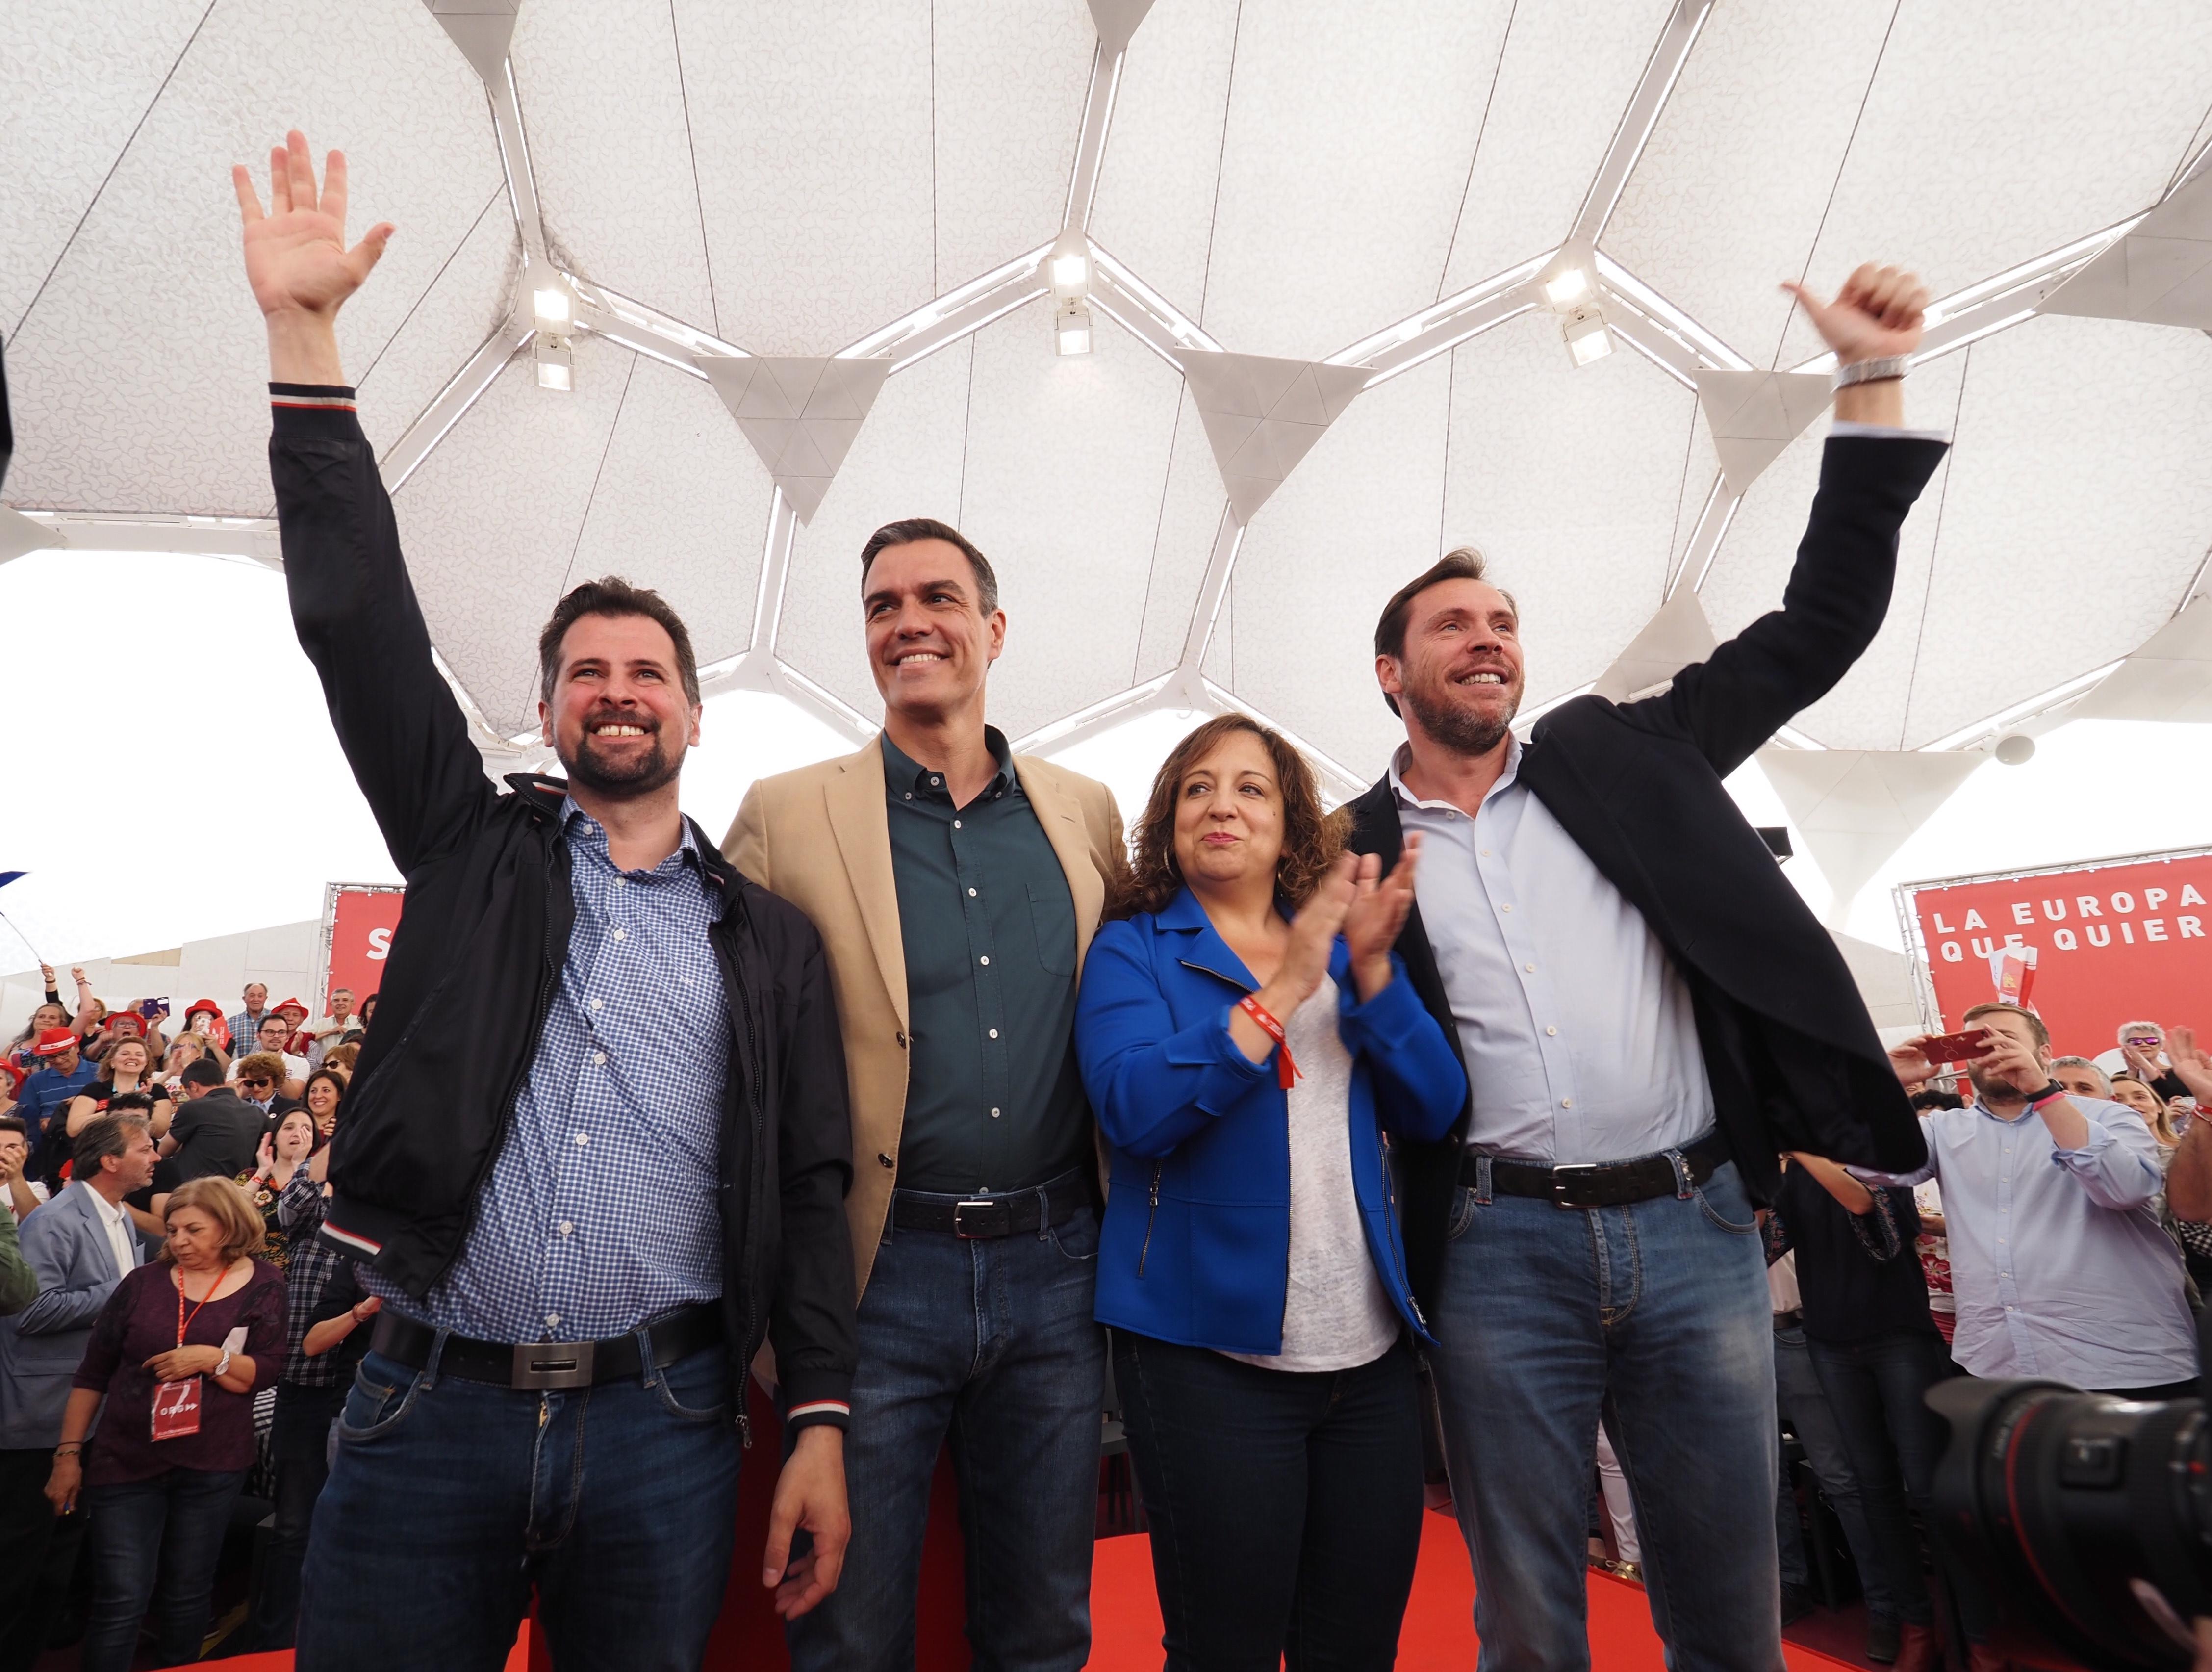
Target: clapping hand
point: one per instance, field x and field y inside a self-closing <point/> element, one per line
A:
<point x="1380" y="906"/>
<point x="1879" y="312"/>
<point x="1313" y="935"/>
<point x="2192" y="1064"/>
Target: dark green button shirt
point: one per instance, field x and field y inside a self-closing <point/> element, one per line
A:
<point x="993" y="1101"/>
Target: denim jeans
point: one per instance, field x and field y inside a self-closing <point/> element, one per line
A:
<point x="155" y="1541"/>
<point x="299" y="1442"/>
<point x="1877" y="1389"/>
<point x="1657" y="1315"/>
<point x="450" y="1499"/>
<point x="1285" y="1507"/>
<point x="1804" y="1402"/>
<point x="989" y="1344"/>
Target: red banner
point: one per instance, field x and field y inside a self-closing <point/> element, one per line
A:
<point x="358" y="922"/>
<point x="2114" y="942"/>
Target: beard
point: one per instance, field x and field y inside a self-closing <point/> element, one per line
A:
<point x="1454" y="727"/>
<point x="1991" y="1089"/>
<point x="628" y="778"/>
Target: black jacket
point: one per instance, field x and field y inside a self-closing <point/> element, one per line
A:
<point x="482" y="940"/>
<point x="1794" y="1058"/>
<point x="218" y="1135"/>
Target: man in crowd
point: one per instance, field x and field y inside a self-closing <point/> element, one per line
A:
<point x="1648" y="1014"/>
<point x="260" y="1079"/>
<point x="292" y="1069"/>
<point x="2082" y="1078"/>
<point x="605" y="1149"/>
<point x="246" y="1026"/>
<point x="2056" y="1270"/>
<point x="63" y="1073"/>
<point x="957" y="888"/>
<point x="81" y="1244"/>
<point x="342" y="1025"/>
<point x="214" y="1132"/>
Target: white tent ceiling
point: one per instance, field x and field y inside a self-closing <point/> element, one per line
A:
<point x="1269" y="177"/>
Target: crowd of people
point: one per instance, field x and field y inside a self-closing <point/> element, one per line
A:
<point x="1521" y="1099"/>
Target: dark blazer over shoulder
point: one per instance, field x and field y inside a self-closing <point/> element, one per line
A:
<point x="1793" y="1057"/>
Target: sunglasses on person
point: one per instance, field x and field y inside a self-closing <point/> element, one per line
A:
<point x="249" y="1080"/>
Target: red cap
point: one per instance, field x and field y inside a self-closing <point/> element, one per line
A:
<point x="198" y="1005"/>
<point x="52" y="1042"/>
<point x="116" y="1018"/>
<point x="289" y="1004"/>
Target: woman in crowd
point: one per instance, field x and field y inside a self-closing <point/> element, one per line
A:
<point x="1244" y="1062"/>
<point x="2137" y="1094"/>
<point x="325" y="1091"/>
<point x="283" y="1152"/>
<point x="129" y="1068"/>
<point x="342" y="1057"/>
<point x="168" y="1461"/>
<point x="2194" y="1240"/>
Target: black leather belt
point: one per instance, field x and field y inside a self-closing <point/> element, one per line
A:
<point x="1601" y="1184"/>
<point x="541" y="1364"/>
<point x="986" y="1216"/>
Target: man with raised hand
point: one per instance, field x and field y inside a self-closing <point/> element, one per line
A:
<point x="597" y="1151"/>
<point x="1648" y="1014"/>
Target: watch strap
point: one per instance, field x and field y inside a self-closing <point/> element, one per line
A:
<point x="1872" y="371"/>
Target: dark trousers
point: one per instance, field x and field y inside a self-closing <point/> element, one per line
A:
<point x="1877" y="1388"/>
<point x="38" y="1554"/>
<point x="2190" y="1389"/>
<point x="155" y="1542"/>
<point x="299" y="1443"/>
<point x="1285" y="1507"/>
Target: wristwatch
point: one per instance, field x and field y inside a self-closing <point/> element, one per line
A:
<point x="2049" y="1093"/>
<point x="1872" y="371"/>
<point x="223" y="1365"/>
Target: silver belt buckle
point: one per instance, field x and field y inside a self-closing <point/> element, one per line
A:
<point x="539" y="1364"/>
<point x="959" y="1226"/>
<point x="1573" y="1173"/>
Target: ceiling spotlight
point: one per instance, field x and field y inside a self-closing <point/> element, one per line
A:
<point x="1071" y="331"/>
<point x="2017" y="749"/>
<point x="1586" y="338"/>
<point x="556" y="363"/>
<point x="552" y="307"/>
<point x="1071" y="273"/>
<point x="1564" y="289"/>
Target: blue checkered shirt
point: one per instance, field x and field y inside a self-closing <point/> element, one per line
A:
<point x="244" y="1031"/>
<point x="601" y="1209"/>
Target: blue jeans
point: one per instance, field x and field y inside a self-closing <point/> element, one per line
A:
<point x="450" y="1499"/>
<point x="1286" y="1507"/>
<point x="1877" y="1389"/>
<point x="1803" y="1401"/>
<point x="155" y="1542"/>
<point x="1656" y="1315"/>
<point x="991" y="1345"/>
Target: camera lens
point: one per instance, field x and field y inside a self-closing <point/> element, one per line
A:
<point x="2075" y="1502"/>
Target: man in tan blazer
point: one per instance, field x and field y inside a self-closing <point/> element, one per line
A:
<point x="956" y="888"/>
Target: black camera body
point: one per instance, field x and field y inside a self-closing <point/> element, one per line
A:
<point x="2096" y="1511"/>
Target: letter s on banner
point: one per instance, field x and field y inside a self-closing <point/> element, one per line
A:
<point x="380" y="945"/>
<point x="359" y="919"/>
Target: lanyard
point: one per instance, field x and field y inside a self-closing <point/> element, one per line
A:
<point x="183" y="1322"/>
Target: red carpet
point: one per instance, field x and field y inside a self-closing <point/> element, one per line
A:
<point x="1439" y="1631"/>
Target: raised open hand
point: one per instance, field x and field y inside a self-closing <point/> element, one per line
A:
<point x="1879" y="312"/>
<point x="296" y="257"/>
<point x="2192" y="1064"/>
<point x="1378" y="911"/>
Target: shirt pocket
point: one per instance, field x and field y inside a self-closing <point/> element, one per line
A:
<point x="1052" y="920"/>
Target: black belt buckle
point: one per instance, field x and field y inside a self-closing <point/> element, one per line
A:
<point x="540" y="1364"/>
<point x="974" y="1220"/>
<point x="1566" y="1179"/>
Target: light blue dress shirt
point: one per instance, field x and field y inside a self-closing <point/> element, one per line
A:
<point x="2059" y="1267"/>
<point x="1576" y="1029"/>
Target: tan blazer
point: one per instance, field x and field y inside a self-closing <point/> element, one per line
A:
<point x="821" y="838"/>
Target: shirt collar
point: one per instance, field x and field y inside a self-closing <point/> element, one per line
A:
<point x="109" y="1213"/>
<point x="581" y="828"/>
<point x="1402" y="757"/>
<point x="904" y="776"/>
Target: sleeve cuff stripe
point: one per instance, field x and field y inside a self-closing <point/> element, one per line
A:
<point x="341" y="403"/>
<point x="819" y="1408"/>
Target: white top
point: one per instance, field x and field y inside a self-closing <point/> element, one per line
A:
<point x="121" y="1238"/>
<point x="1335" y="1313"/>
<point x="1580" y="1042"/>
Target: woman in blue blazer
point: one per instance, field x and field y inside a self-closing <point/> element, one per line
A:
<point x="1244" y="1064"/>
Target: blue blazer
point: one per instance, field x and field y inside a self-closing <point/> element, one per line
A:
<point x="1196" y="1244"/>
<point x="66" y="1244"/>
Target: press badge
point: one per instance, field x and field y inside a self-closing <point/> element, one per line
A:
<point x="176" y="1409"/>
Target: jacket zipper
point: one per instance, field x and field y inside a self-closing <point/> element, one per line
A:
<point x="1143" y="1252"/>
<point x="1397" y="1230"/>
<point x="752" y="1209"/>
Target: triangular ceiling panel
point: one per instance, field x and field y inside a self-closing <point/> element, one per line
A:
<point x="481" y="28"/>
<point x="2169" y="678"/>
<point x="1264" y="415"/>
<point x="1676" y="636"/>
<point x="1855" y="807"/>
<point x="2160" y="274"/>
<point x="801" y="414"/>
<point x="1116" y="20"/>
<point x="1754" y="415"/>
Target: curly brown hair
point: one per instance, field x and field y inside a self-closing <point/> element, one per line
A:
<point x="1312" y="838"/>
